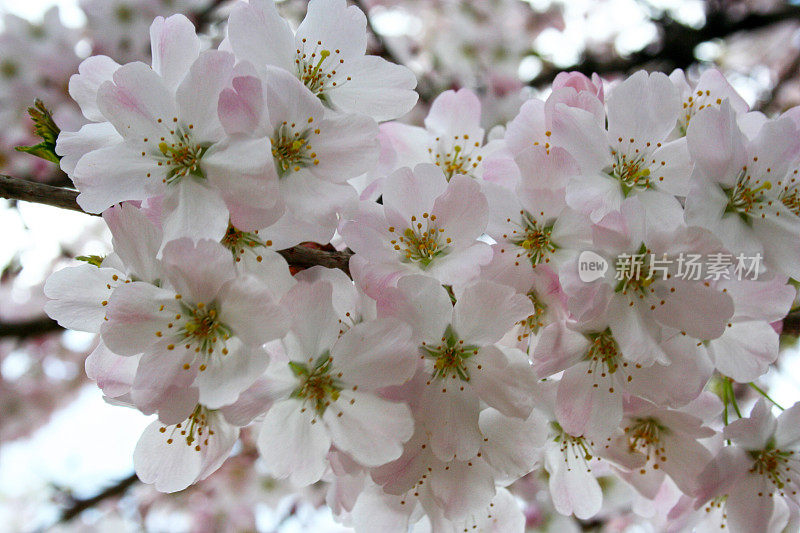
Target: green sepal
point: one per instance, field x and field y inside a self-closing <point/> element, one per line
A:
<point x="95" y="260"/>
<point x="45" y="127"/>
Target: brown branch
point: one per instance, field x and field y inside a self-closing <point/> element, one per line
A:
<point x="31" y="191"/>
<point x="31" y="328"/>
<point x="76" y="507"/>
<point x="39" y="193"/>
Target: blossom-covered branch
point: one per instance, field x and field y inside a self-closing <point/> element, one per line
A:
<point x="41" y="193"/>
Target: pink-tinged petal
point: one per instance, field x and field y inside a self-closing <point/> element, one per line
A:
<point x="745" y="350"/>
<point x="198" y="94"/>
<point x="722" y="474"/>
<point x="582" y="408"/>
<point x="377" y="511"/>
<point x="544" y="169"/>
<point x="776" y="146"/>
<point x="504" y="379"/>
<point x="678" y="383"/>
<point x="252" y="402"/>
<point x="194" y="209"/>
<point x="288" y="100"/>
<point x="113" y="373"/>
<point x="294" y="443"/>
<point x="317" y="201"/>
<point x="375" y="87"/>
<point x="450" y="411"/>
<point x="174" y="47"/>
<point x="529" y="124"/>
<point x="402" y="146"/>
<point x="686" y="460"/>
<point x="577" y="131"/>
<point x="219" y="445"/>
<point x="768" y="300"/>
<point x="347" y="37"/>
<point x="136" y="312"/>
<point x="315" y="325"/>
<point x="113" y="174"/>
<point x="559" y="347"/>
<point x="134" y="102"/>
<point x="475" y="325"/>
<point x="716" y="145"/>
<point x="370" y="429"/>
<point x="161" y="380"/>
<point x="779" y="235"/>
<point x="240" y="108"/>
<point x="750" y="506"/>
<point x="644" y="107"/>
<point x="226" y="161"/>
<point x="367" y="234"/>
<point x="753" y="432"/>
<point x="462" y="488"/>
<point x="223" y="380"/>
<point x="674" y="167"/>
<point x="787" y="433"/>
<point x="637" y="336"/>
<point x="171" y="467"/>
<point x="367" y="349"/>
<point x="573" y="489"/>
<point x="198" y="270"/>
<point x="461" y="211"/>
<point x="83" y="87"/>
<point x="136" y="240"/>
<point x="701" y="311"/>
<point x="422" y="303"/>
<point x="73" y="145"/>
<point x="258" y="34"/>
<point x="456" y="113"/>
<point x="251" y="311"/>
<point x="346" y="147"/>
<point x="594" y="195"/>
<point x="460" y="266"/>
<point x="77" y="295"/>
<point x="408" y="193"/>
<point x="513" y="446"/>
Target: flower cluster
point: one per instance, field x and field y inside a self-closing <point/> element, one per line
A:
<point x="466" y="349"/>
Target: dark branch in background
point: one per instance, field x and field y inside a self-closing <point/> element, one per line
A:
<point x="204" y="18"/>
<point x="791" y="324"/>
<point x="30" y="328"/>
<point x="677" y="42"/>
<point x="75" y="507"/>
<point x="30" y="191"/>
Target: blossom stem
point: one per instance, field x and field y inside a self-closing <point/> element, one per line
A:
<point x="765" y="395"/>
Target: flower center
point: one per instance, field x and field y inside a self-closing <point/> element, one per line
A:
<point x="456" y="160"/>
<point x="577" y="447"/>
<point x="202" y="329"/>
<point x="534" y="238"/>
<point x="449" y="358"/>
<point x="421" y="244"/>
<point x="644" y="434"/>
<point x="181" y="155"/>
<point x="317" y="385"/>
<point x="605" y="358"/>
<point x="292" y="149"/>
<point x="316" y="68"/>
<point x="534" y="322"/>
<point x="238" y="241"/>
<point x="195" y="431"/>
<point x="774" y="464"/>
<point x="747" y="195"/>
<point x="631" y="172"/>
<point x="791" y="200"/>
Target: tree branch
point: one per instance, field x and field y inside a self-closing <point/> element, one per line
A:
<point x="31" y="191"/>
<point x="39" y="193"/>
<point x="76" y="507"/>
<point x="31" y="328"/>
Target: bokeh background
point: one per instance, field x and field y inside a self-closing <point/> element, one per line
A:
<point x="65" y="454"/>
